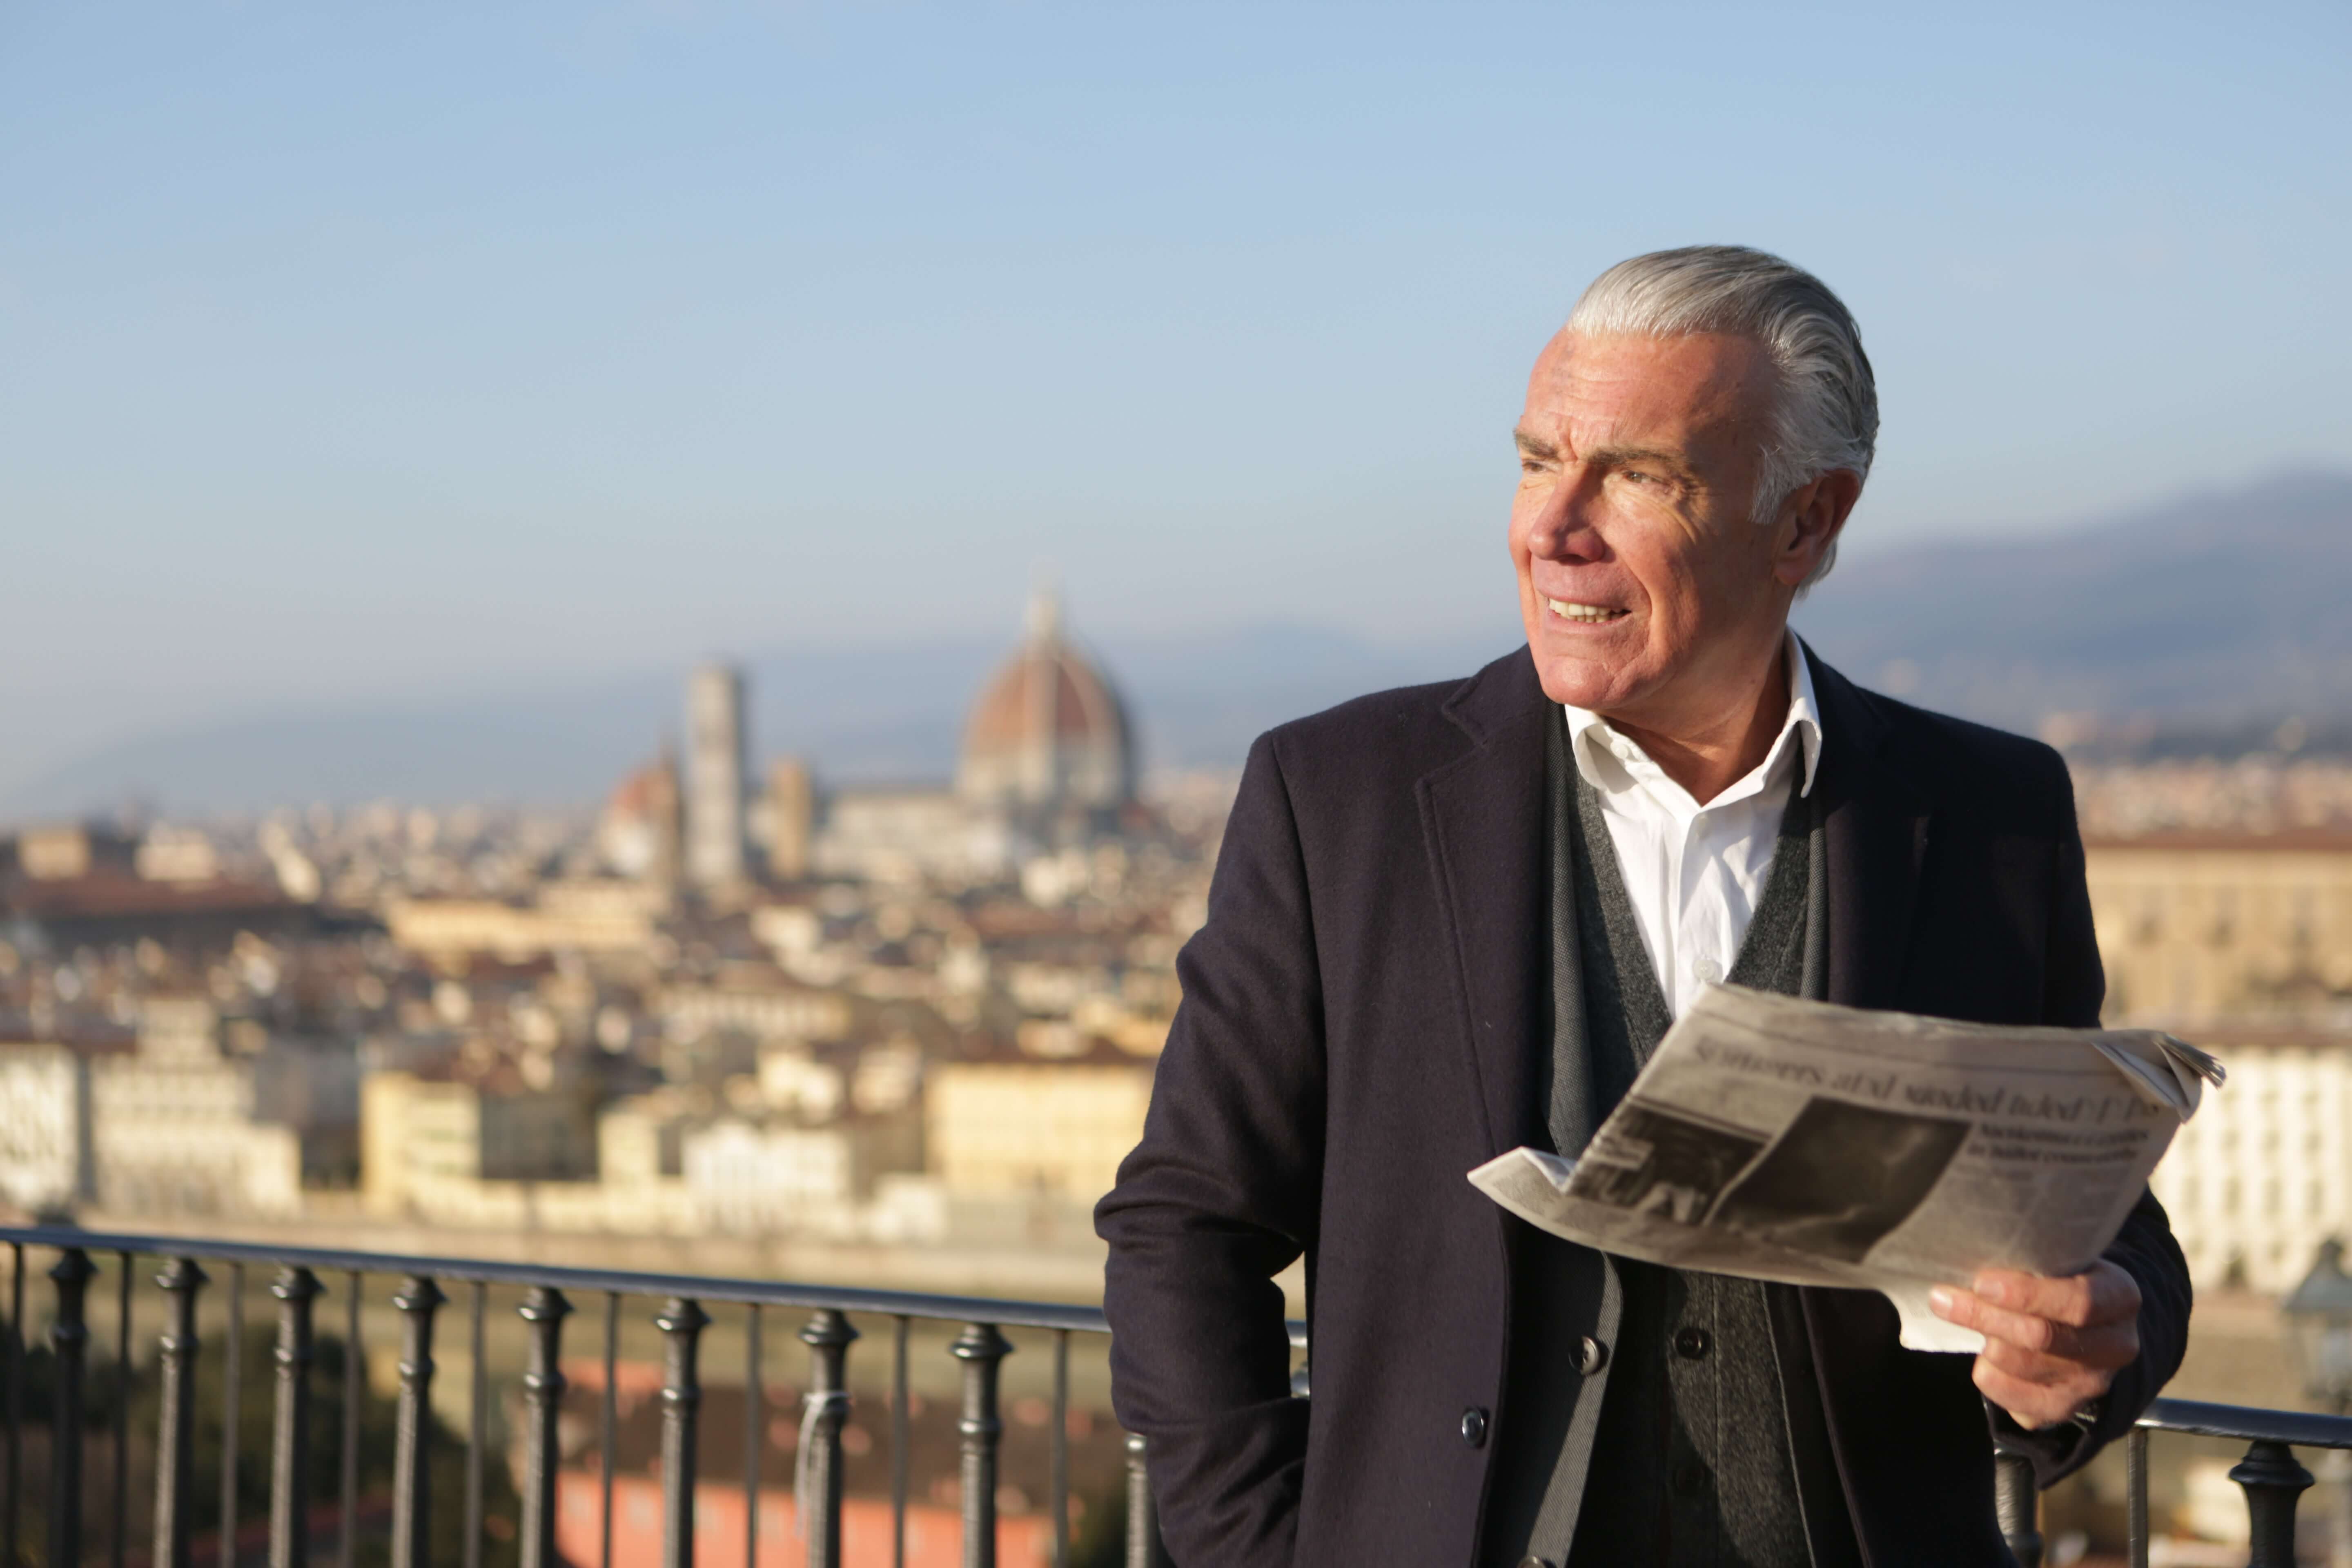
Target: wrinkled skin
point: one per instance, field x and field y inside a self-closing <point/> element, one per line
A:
<point x="1639" y="460"/>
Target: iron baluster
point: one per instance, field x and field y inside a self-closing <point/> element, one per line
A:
<point x="119" y="1522"/>
<point x="544" y="1309"/>
<point x="981" y="1348"/>
<point x="477" y="1398"/>
<point x="416" y="1301"/>
<point x="604" y="1461"/>
<point x="347" y="1537"/>
<point x="2018" y="1505"/>
<point x="1144" y="1548"/>
<point x="681" y="1321"/>
<point x="175" y="1425"/>
<point x="1060" y="1487"/>
<point x="15" y="1354"/>
<point x="2273" y="1480"/>
<point x="755" y="1410"/>
<point x="231" y="1410"/>
<point x="2136" y="1497"/>
<point x="817" y="1493"/>
<point x="70" y="1347"/>
<point x="899" y="1442"/>
<point x="289" y="1513"/>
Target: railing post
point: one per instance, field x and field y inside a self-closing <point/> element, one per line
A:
<point x="70" y="1344"/>
<point x="119" y="1500"/>
<point x="2014" y="1502"/>
<point x="2136" y="1497"/>
<point x="2273" y="1479"/>
<point x="542" y="1392"/>
<point x="175" y="1423"/>
<point x="289" y="1510"/>
<point x="1144" y="1547"/>
<point x="416" y="1301"/>
<point x="681" y="1321"/>
<point x="816" y="1492"/>
<point x="12" y="1485"/>
<point x="981" y="1348"/>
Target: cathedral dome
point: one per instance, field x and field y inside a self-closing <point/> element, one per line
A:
<point x="1048" y="731"/>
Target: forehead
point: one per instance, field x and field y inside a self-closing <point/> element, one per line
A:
<point x="1676" y="388"/>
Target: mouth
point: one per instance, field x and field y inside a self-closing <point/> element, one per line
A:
<point x="1585" y="615"/>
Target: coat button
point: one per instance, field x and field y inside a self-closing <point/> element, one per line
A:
<point x="1473" y="1427"/>
<point x="1591" y="1355"/>
<point x="1691" y="1344"/>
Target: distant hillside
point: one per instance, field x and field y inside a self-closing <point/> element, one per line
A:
<point x="2219" y="612"/>
<point x="2215" y="617"/>
<point x="885" y="712"/>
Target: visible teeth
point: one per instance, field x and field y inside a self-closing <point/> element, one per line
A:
<point x="1568" y="612"/>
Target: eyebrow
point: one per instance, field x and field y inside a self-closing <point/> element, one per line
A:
<point x="1617" y="456"/>
<point x="1609" y="457"/>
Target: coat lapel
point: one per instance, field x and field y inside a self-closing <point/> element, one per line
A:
<point x="1483" y="817"/>
<point x="1877" y="825"/>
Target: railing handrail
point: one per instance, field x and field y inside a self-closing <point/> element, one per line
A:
<point x="628" y="1282"/>
<point x="2298" y="1428"/>
<point x="1013" y="1314"/>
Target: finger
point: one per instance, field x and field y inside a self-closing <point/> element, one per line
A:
<point x="1970" y="1310"/>
<point x="2099" y="1360"/>
<point x="2102" y="1293"/>
<point x="2107" y="1345"/>
<point x="2033" y="1405"/>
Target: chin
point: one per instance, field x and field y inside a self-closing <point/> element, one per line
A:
<point x="1576" y="682"/>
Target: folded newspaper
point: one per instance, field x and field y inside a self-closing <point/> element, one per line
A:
<point x="1813" y="1145"/>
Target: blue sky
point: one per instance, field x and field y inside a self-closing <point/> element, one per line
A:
<point x="368" y="350"/>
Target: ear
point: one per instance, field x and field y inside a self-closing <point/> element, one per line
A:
<point x="1810" y="522"/>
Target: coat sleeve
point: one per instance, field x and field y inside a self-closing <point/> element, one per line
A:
<point x="2075" y="987"/>
<point x="1221" y="1195"/>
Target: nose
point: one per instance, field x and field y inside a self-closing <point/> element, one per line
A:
<point x="1561" y="526"/>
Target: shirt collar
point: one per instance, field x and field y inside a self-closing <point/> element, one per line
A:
<point x="1591" y="737"/>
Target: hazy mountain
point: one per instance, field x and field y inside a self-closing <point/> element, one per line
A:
<point x="2216" y="611"/>
<point x="2221" y="612"/>
<point x="884" y="711"/>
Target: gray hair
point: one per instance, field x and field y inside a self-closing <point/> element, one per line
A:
<point x="1826" y="416"/>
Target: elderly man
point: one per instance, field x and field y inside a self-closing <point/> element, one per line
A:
<point x="1453" y="920"/>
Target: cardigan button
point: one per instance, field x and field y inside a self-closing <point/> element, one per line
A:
<point x="1591" y="1355"/>
<point x="1473" y="1427"/>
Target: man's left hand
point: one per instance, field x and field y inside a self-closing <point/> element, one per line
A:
<point x="2051" y="1346"/>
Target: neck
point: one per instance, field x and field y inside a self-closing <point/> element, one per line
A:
<point x="1709" y="752"/>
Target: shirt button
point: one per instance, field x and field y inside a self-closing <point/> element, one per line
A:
<point x="1708" y="971"/>
<point x="1691" y="1344"/>
<point x="1473" y="1427"/>
<point x="1591" y="1355"/>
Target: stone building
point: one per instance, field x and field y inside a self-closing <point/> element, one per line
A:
<point x="1049" y="736"/>
<point x="1047" y="759"/>
<point x="2263" y="1173"/>
<point x="2203" y="926"/>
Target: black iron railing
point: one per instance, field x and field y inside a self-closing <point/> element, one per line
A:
<point x="426" y="1285"/>
<point x="2271" y="1475"/>
<point x="2273" y="1478"/>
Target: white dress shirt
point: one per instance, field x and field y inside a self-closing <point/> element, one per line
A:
<point x="1695" y="872"/>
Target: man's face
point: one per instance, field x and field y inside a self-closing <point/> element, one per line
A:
<point x="1647" y="588"/>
